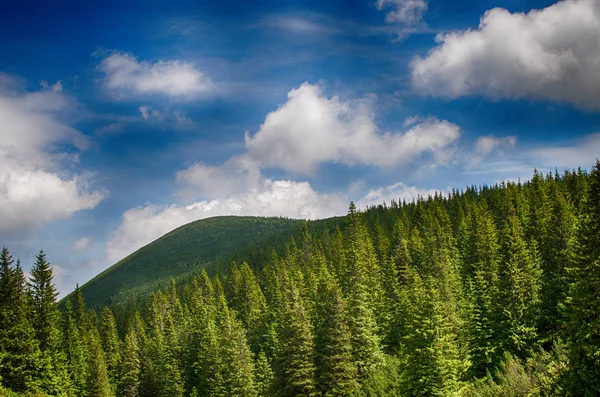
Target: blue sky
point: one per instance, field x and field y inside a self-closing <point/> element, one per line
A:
<point x="120" y="121"/>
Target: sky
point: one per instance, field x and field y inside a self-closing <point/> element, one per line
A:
<point x="122" y="120"/>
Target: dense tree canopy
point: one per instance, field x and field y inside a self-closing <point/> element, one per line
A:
<point x="489" y="291"/>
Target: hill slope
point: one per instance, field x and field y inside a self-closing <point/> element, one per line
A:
<point x="207" y="243"/>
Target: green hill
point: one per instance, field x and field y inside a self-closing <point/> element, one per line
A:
<point x="207" y="243"/>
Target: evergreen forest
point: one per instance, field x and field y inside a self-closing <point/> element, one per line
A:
<point x="486" y="291"/>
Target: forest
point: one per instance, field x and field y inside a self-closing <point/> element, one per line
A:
<point x="486" y="291"/>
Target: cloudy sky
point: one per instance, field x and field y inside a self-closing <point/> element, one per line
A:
<point x="120" y="121"/>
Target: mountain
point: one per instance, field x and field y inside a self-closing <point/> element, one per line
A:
<point x="210" y="244"/>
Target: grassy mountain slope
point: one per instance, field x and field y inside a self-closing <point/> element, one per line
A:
<point x="207" y="243"/>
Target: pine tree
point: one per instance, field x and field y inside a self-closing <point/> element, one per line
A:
<point x="131" y="367"/>
<point x="238" y="366"/>
<point x="19" y="368"/>
<point x="46" y="322"/>
<point x="263" y="376"/>
<point x="78" y="306"/>
<point x="295" y="369"/>
<point x="519" y="281"/>
<point x="98" y="382"/>
<point x="75" y="351"/>
<point x="336" y="371"/>
<point x="250" y="304"/>
<point x="363" y="327"/>
<point x="583" y="331"/>
<point x="429" y="344"/>
<point x="480" y="254"/>
<point x="557" y="252"/>
<point x="111" y="346"/>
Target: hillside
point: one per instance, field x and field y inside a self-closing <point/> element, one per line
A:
<point x="209" y="244"/>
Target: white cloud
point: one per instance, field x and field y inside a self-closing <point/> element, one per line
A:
<point x="33" y="188"/>
<point x="549" y="54"/>
<point x="142" y="225"/>
<point x="82" y="244"/>
<point x="580" y="153"/>
<point x="176" y="79"/>
<point x="148" y="113"/>
<point x="310" y="129"/>
<point x="488" y="144"/>
<point x="56" y="86"/>
<point x="239" y="174"/>
<point x="407" y="12"/>
<point x="398" y="192"/>
<point x="307" y="130"/>
<point x="294" y="199"/>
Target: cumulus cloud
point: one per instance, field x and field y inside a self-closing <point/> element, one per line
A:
<point x="140" y="226"/>
<point x="579" y="153"/>
<point x="310" y="129"/>
<point x="488" y="145"/>
<point x="294" y="199"/>
<point x="124" y="75"/>
<point x="408" y="12"/>
<point x="148" y="113"/>
<point x="549" y="54"/>
<point x="307" y="130"/>
<point x="239" y="174"/>
<point x="397" y="191"/>
<point x="33" y="187"/>
<point x="82" y="244"/>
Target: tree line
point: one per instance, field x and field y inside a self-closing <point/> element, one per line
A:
<point x="489" y="291"/>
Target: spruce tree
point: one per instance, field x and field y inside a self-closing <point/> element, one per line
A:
<point x="336" y="371"/>
<point x="75" y="351"/>
<point x="21" y="361"/>
<point x="46" y="322"/>
<point x="366" y="348"/>
<point x="238" y="366"/>
<point x="295" y="368"/>
<point x="480" y="255"/>
<point x="519" y="282"/>
<point x="131" y="367"/>
<point x="263" y="376"/>
<point x="583" y="331"/>
<point x="111" y="346"/>
<point x="98" y="384"/>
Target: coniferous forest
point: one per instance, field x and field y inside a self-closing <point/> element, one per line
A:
<point x="488" y="291"/>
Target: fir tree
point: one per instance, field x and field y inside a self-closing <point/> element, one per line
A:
<point x="111" y="346"/>
<point x="46" y="322"/>
<point x="336" y="371"/>
<point x="263" y="376"/>
<point x="131" y="367"/>
<point x="75" y="351"/>
<point x="583" y="331"/>
<point x="295" y="369"/>
<point x="519" y="291"/>
<point x="98" y="384"/>
<point x="21" y="361"/>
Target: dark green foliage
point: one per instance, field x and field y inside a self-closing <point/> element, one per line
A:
<point x="46" y="321"/>
<point x="20" y="353"/>
<point x="208" y="243"/>
<point x="111" y="346"/>
<point x="75" y="351"/>
<point x="519" y="284"/>
<point x="466" y="295"/>
<point x="295" y="368"/>
<point x="98" y="384"/>
<point x="263" y="376"/>
<point x="583" y="332"/>
<point x="336" y="370"/>
<point x="130" y="369"/>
